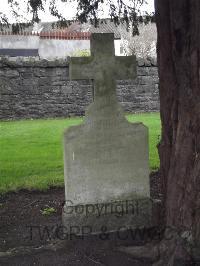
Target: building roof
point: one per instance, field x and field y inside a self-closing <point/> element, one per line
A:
<point x="48" y="28"/>
<point x="105" y="26"/>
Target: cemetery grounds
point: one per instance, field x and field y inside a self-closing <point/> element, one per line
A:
<point x="32" y="193"/>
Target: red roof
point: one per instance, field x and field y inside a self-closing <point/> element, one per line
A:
<point x="61" y="35"/>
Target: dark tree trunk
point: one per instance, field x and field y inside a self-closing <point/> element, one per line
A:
<point x="178" y="26"/>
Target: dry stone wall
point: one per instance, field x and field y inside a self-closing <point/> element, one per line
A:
<point x="33" y="88"/>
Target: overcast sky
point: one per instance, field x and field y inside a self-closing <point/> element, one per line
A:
<point x="67" y="9"/>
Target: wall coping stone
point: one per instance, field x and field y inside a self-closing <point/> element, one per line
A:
<point x="6" y="61"/>
<point x="12" y="62"/>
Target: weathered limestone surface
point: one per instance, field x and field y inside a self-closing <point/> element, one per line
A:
<point x="106" y="158"/>
<point x="31" y="88"/>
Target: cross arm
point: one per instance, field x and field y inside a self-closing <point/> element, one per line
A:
<point x="125" y="67"/>
<point x="80" y="67"/>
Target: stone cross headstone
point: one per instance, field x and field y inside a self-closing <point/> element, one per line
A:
<point x="106" y="158"/>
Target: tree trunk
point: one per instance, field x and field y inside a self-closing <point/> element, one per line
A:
<point x="178" y="26"/>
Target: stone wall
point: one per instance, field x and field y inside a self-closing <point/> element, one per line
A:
<point x="33" y="88"/>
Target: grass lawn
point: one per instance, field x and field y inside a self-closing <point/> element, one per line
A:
<point x="31" y="150"/>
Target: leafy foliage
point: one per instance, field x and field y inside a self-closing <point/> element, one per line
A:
<point x="81" y="53"/>
<point x="88" y="10"/>
<point x="142" y="46"/>
<point x="48" y="211"/>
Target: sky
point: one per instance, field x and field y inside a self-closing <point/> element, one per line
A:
<point x="69" y="10"/>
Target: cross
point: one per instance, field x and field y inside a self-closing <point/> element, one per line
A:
<point x="103" y="67"/>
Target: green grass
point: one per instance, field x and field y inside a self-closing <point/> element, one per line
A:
<point x="152" y="121"/>
<point x="31" y="154"/>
